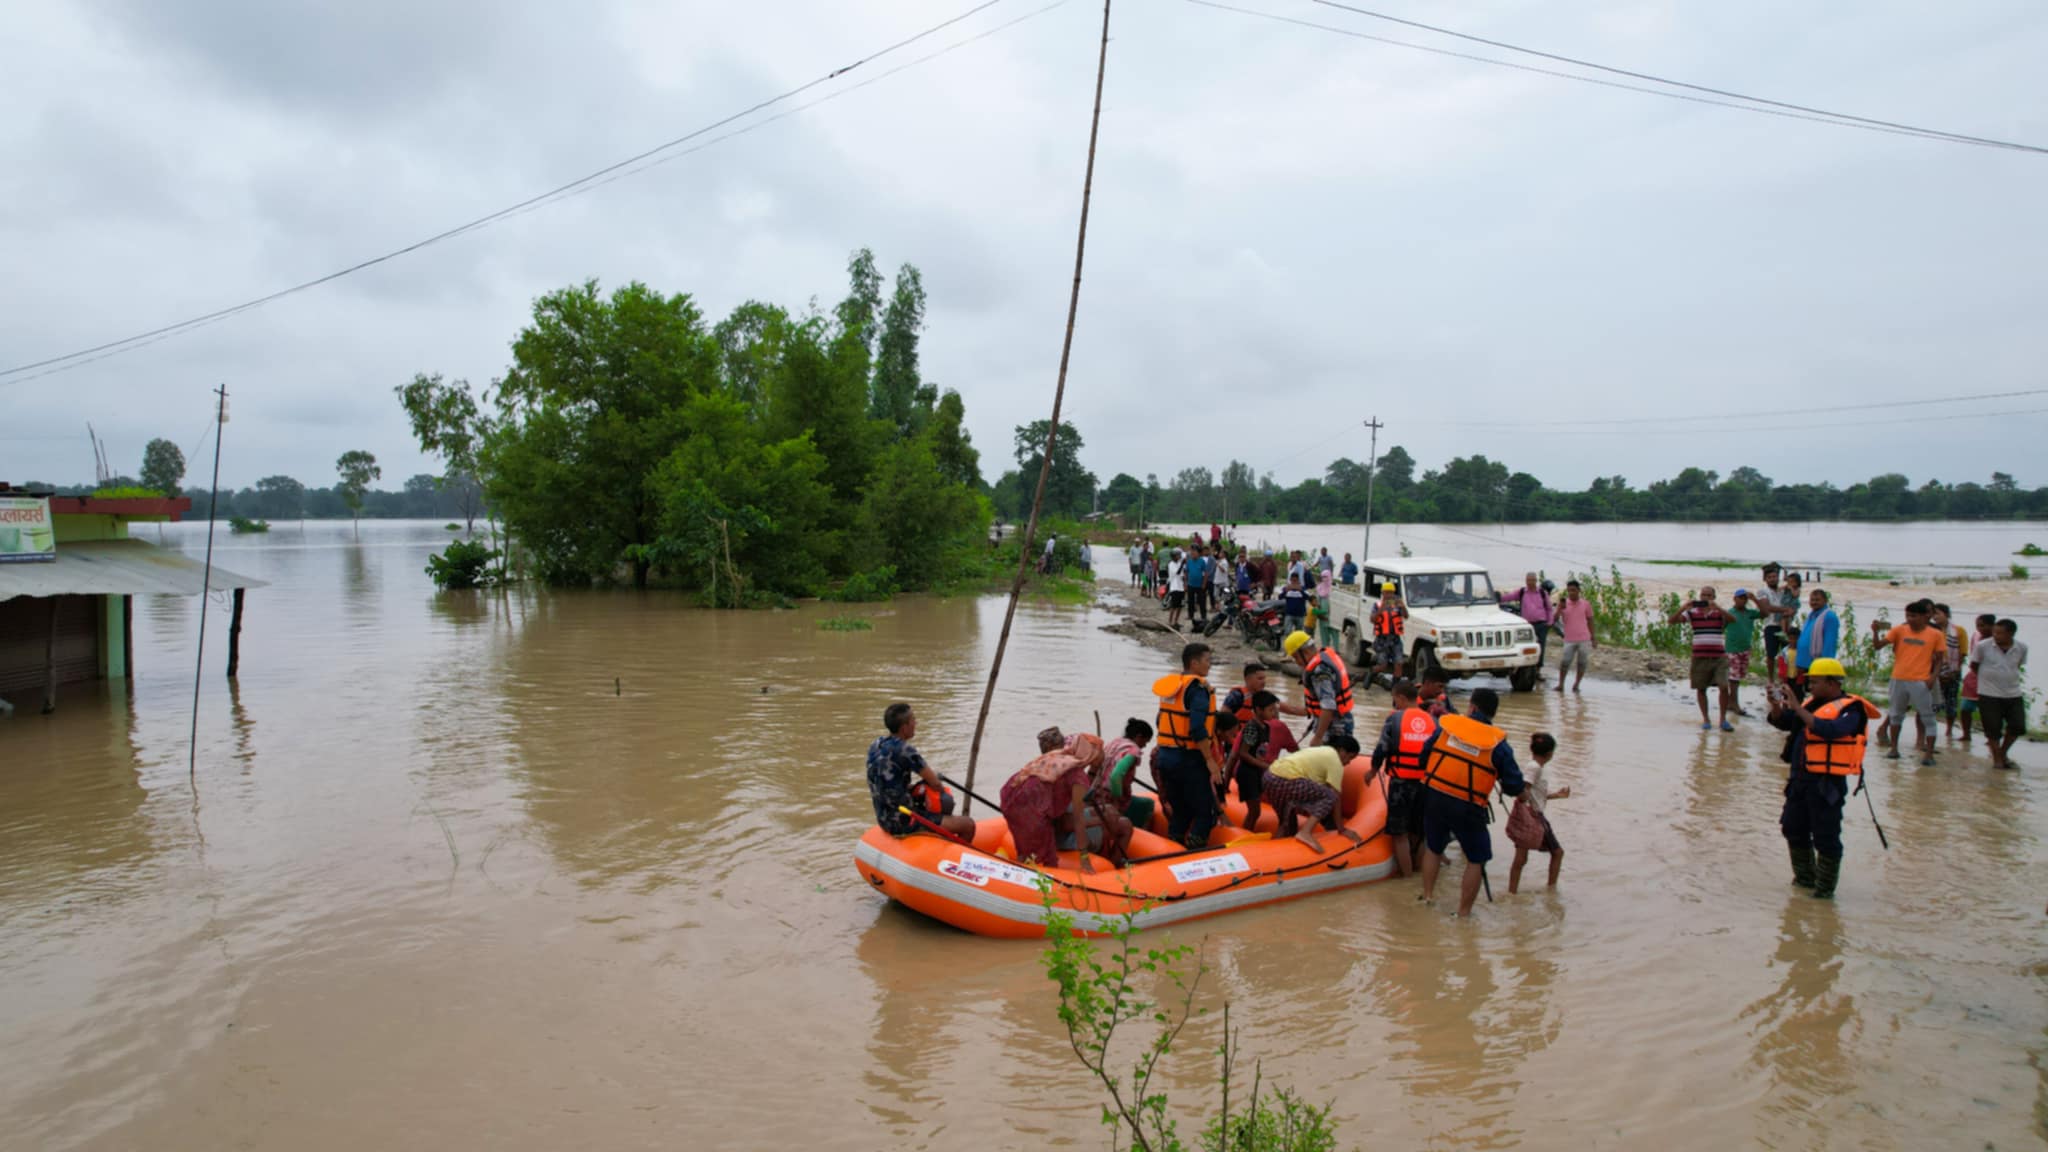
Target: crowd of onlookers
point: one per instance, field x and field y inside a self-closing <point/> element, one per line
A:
<point x="1941" y="673"/>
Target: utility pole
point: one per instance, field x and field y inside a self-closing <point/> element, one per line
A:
<point x="1372" y="462"/>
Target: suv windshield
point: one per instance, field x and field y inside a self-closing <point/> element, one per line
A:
<point x="1449" y="589"/>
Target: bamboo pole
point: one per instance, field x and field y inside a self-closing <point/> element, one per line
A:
<point x="1052" y="432"/>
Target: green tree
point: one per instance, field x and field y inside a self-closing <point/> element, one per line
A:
<point x="1240" y="487"/>
<point x="447" y="423"/>
<point x="1070" y="488"/>
<point x="279" y="498"/>
<point x="357" y="469"/>
<point x="859" y="317"/>
<point x="818" y="390"/>
<point x="1124" y="496"/>
<point x="592" y="404"/>
<point x="740" y="513"/>
<point x="750" y="351"/>
<point x="1395" y="471"/>
<point x="895" y="392"/>
<point x="163" y="466"/>
<point x="917" y="521"/>
<point x="953" y="449"/>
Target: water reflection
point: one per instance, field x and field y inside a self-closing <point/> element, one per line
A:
<point x="1803" y="1027"/>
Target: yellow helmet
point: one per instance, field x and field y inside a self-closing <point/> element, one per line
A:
<point x="1294" y="642"/>
<point x="1387" y="587"/>
<point x="1827" y="667"/>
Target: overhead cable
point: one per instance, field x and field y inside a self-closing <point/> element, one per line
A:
<point x="1758" y="108"/>
<point x="127" y="343"/>
<point x="1958" y="137"/>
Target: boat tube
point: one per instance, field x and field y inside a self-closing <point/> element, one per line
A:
<point x="981" y="888"/>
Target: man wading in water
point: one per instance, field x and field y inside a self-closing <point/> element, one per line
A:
<point x="1825" y="749"/>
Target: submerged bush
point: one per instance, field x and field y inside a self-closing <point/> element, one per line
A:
<point x="466" y="564"/>
<point x="866" y="587"/>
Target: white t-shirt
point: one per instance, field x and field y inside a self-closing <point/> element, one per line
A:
<point x="1177" y="577"/>
<point x="1998" y="670"/>
<point x="1536" y="777"/>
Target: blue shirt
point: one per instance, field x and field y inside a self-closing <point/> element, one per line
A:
<point x="1244" y="577"/>
<point x="1294" y="602"/>
<point x="1349" y="573"/>
<point x="1819" y="639"/>
<point x="893" y="766"/>
<point x="1197" y="569"/>
<point x="1197" y="699"/>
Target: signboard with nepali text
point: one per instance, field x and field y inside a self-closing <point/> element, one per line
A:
<point x="26" y="530"/>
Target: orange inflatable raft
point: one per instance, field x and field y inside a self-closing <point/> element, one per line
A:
<point x="983" y="890"/>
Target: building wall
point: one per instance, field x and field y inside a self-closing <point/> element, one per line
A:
<point x="74" y="527"/>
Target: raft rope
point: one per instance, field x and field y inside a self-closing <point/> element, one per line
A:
<point x="1278" y="874"/>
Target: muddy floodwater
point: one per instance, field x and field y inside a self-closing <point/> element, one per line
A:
<point x="573" y="870"/>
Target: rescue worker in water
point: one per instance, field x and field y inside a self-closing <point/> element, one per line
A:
<point x="1461" y="763"/>
<point x="1825" y="742"/>
<point x="1326" y="687"/>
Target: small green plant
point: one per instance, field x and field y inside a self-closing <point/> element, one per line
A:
<point x="1862" y="574"/>
<point x="2020" y="572"/>
<point x="242" y="526"/>
<point x="466" y="564"/>
<point x="846" y="623"/>
<point x="866" y="587"/>
<point x="1405" y="550"/>
<point x="2031" y="549"/>
<point x="452" y="526"/>
<point x="1104" y="993"/>
<point x="127" y="492"/>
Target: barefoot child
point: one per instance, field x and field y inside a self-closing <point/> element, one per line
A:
<point x="1542" y="746"/>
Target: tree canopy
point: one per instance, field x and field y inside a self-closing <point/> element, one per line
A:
<point x="768" y="453"/>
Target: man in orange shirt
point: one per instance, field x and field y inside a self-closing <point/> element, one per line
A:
<point x="1918" y="651"/>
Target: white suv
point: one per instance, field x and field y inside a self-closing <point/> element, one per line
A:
<point x="1455" y="621"/>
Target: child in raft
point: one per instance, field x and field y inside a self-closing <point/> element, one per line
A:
<point x="1251" y="753"/>
<point x="1542" y="746"/>
<point x="1122" y="756"/>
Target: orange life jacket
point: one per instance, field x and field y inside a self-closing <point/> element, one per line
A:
<point x="1386" y="621"/>
<point x="1844" y="756"/>
<point x="1245" y="712"/>
<point x="1461" y="763"/>
<point x="1175" y="726"/>
<point x="1315" y="704"/>
<point x="1415" y="726"/>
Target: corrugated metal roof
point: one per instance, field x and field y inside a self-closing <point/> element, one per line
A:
<point x="115" y="567"/>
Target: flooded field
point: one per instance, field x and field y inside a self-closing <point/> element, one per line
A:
<point x="538" y="871"/>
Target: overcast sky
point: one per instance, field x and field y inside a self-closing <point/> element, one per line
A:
<point x="1292" y="230"/>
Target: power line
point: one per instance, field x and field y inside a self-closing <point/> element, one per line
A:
<point x="127" y="343"/>
<point x="1958" y="137"/>
<point x="1839" y="122"/>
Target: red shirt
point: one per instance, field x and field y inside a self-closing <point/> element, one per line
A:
<point x="1282" y="738"/>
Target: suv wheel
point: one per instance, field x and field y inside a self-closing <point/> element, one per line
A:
<point x="1425" y="661"/>
<point x="1524" y="679"/>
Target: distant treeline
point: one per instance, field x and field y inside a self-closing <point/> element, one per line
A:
<point x="1474" y="489"/>
<point x="283" y="498"/>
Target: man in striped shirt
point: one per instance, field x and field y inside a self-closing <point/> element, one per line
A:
<point x="1709" y="626"/>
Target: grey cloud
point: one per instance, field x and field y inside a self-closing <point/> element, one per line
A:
<point x="1292" y="230"/>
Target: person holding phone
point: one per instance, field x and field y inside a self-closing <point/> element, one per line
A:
<point x="1709" y="625"/>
